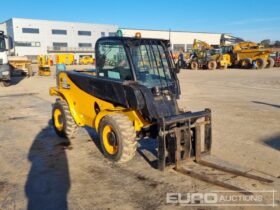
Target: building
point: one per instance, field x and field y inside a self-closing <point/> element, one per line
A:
<point x="40" y="37"/>
<point x="178" y="39"/>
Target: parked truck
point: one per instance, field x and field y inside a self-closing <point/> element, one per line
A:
<point x="246" y="54"/>
<point x="20" y="65"/>
<point x="5" y="69"/>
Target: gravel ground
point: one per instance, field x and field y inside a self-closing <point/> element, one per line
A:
<point x="41" y="171"/>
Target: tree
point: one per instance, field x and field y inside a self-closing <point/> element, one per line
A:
<point x="277" y="43"/>
<point x="266" y="42"/>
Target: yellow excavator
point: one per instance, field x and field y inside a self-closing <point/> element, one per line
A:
<point x="246" y="54"/>
<point x="205" y="56"/>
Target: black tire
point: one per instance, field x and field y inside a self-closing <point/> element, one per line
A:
<point x="270" y="63"/>
<point x="212" y="65"/>
<point x="5" y="83"/>
<point x="121" y="139"/>
<point x="194" y="65"/>
<point x="69" y="127"/>
<point x="246" y="63"/>
<point x="260" y="63"/>
<point x="224" y="67"/>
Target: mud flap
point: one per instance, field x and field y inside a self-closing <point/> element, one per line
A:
<point x="180" y="137"/>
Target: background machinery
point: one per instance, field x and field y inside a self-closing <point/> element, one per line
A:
<point x="67" y="59"/>
<point x="246" y="54"/>
<point x="134" y="96"/>
<point x="85" y="60"/>
<point x="21" y="64"/>
<point x="5" y="69"/>
<point x="205" y="56"/>
<point x="276" y="57"/>
<point x="44" y="65"/>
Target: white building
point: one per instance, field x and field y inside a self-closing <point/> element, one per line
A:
<point x="39" y="37"/>
<point x="178" y="39"/>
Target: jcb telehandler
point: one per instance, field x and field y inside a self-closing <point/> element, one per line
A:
<point x="133" y="95"/>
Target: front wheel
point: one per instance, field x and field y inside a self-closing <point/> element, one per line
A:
<point x="118" y="139"/>
<point x="194" y="65"/>
<point x="270" y="63"/>
<point x="212" y="65"/>
<point x="260" y="63"/>
<point x="64" y="124"/>
<point x="5" y="83"/>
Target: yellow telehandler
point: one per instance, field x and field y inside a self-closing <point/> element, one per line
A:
<point x="134" y="96"/>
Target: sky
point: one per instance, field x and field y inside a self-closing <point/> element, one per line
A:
<point x="253" y="20"/>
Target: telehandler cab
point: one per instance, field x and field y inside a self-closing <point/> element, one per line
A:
<point x="133" y="96"/>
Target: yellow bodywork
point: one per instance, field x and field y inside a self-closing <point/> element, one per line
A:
<point x="251" y="50"/>
<point x="66" y="59"/>
<point x="224" y="60"/>
<point x="82" y="105"/>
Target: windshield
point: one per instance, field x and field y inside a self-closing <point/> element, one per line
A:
<point x="150" y="63"/>
<point x="2" y="44"/>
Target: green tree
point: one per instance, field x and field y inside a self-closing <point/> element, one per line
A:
<point x="277" y="43"/>
<point x="266" y="42"/>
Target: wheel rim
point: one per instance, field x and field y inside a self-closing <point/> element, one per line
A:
<point x="194" y="66"/>
<point x="245" y="64"/>
<point x="58" y="119"/>
<point x="109" y="140"/>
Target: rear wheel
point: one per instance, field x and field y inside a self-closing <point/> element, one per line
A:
<point x="270" y="63"/>
<point x="118" y="139"/>
<point x="64" y="124"/>
<point x="260" y="63"/>
<point x="194" y="65"/>
<point x="212" y="65"/>
<point x="246" y="63"/>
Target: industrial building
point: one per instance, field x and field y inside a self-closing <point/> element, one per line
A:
<point x="179" y="39"/>
<point x="39" y="37"/>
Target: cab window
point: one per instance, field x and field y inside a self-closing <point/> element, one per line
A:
<point x="112" y="62"/>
